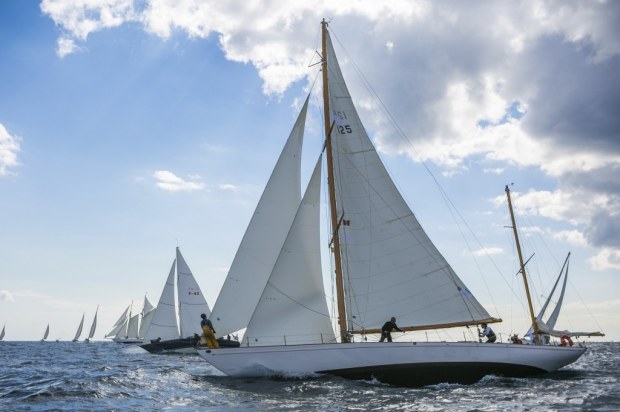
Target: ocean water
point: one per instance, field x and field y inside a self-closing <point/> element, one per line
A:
<point x="104" y="376"/>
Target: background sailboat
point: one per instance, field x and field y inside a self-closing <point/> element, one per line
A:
<point x="46" y="333"/>
<point x="79" y="330"/>
<point x="93" y="327"/>
<point x="130" y="328"/>
<point x="168" y="333"/>
<point x="2" y="333"/>
<point x="385" y="266"/>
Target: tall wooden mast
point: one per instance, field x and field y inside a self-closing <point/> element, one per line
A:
<point x="342" y="314"/>
<point x="527" y="288"/>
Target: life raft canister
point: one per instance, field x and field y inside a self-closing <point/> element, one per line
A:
<point x="566" y="340"/>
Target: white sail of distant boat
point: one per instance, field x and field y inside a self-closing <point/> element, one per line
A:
<point x="385" y="265"/>
<point x="130" y="328"/>
<point x="167" y="332"/>
<point x="547" y="327"/>
<point x="93" y="327"/>
<point x="146" y="315"/>
<point x="2" y="333"/>
<point x="46" y="333"/>
<point x="119" y="326"/>
<point x="79" y="330"/>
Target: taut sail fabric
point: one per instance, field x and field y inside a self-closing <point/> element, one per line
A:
<point x="292" y="308"/>
<point x="192" y="302"/>
<point x="263" y="238"/>
<point x="391" y="267"/>
<point x="164" y="323"/>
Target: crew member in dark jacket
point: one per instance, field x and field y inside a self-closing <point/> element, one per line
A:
<point x="488" y="333"/>
<point x="387" y="328"/>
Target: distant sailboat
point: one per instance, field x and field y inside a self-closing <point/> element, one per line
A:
<point x="2" y="333"/>
<point x="79" y="330"/>
<point x="546" y="327"/>
<point x="129" y="328"/>
<point x="167" y="333"/>
<point x="46" y="334"/>
<point x="93" y="327"/>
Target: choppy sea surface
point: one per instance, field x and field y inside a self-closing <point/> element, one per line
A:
<point x="104" y="376"/>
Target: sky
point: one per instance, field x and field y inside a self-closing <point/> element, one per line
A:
<point x="131" y="127"/>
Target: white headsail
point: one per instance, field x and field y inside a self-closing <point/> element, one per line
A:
<point x="164" y="323"/>
<point x="79" y="330"/>
<point x="192" y="302"/>
<point x="263" y="238"/>
<point x="133" y="326"/>
<point x="292" y="308"/>
<point x="390" y="266"/>
<point x="93" y="326"/>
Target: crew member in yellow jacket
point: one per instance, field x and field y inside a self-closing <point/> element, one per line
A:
<point x="208" y="333"/>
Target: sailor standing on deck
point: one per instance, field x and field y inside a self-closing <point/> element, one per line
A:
<point x="488" y="333"/>
<point x="208" y="333"/>
<point x="387" y="328"/>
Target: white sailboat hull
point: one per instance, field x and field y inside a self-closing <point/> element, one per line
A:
<point x="406" y="364"/>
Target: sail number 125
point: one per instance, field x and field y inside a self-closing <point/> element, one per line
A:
<point x="344" y="129"/>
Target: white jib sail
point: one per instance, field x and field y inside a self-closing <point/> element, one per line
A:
<point x="147" y="316"/>
<point x="263" y="238"/>
<point x="164" y="323"/>
<point x="391" y="267"/>
<point x="79" y="329"/>
<point x="192" y="302"/>
<point x="146" y="307"/>
<point x="292" y="308"/>
<point x="93" y="326"/>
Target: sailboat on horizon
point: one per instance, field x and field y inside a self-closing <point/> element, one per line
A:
<point x="2" y="333"/>
<point x="79" y="330"/>
<point x="385" y="265"/>
<point x="130" y="329"/>
<point x="169" y="333"/>
<point x="46" y="333"/>
<point x="93" y="327"/>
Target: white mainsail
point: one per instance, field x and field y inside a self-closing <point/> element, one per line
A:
<point x="79" y="329"/>
<point x="390" y="266"/>
<point x="164" y="323"/>
<point x="263" y="239"/>
<point x="292" y="308"/>
<point x="192" y="302"/>
<point x="93" y="327"/>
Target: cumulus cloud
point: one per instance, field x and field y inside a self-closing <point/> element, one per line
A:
<point x="9" y="148"/>
<point x="531" y="84"/>
<point x="170" y="182"/>
<point x="6" y="296"/>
